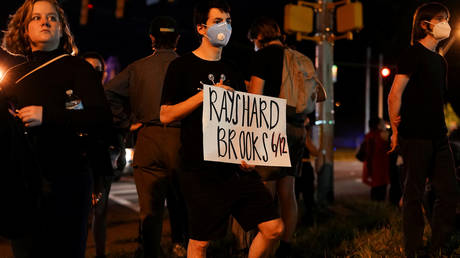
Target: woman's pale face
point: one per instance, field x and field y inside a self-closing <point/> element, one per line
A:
<point x="44" y="29"/>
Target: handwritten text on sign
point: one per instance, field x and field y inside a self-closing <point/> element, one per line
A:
<point x="242" y="126"/>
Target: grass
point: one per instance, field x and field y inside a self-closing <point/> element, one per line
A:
<point x="347" y="228"/>
<point x="355" y="228"/>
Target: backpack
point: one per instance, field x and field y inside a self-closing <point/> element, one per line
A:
<point x="299" y="84"/>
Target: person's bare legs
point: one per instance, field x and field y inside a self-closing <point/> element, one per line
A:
<point x="288" y="205"/>
<point x="269" y="233"/>
<point x="196" y="248"/>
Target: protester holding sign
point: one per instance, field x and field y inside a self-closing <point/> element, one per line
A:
<point x="213" y="191"/>
<point x="271" y="71"/>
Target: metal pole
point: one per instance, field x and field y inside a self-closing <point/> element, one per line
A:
<point x="380" y="86"/>
<point x="367" y="104"/>
<point x="325" y="111"/>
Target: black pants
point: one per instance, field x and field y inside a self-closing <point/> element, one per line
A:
<point x="379" y="193"/>
<point x="155" y="161"/>
<point x="305" y="184"/>
<point x="61" y="223"/>
<point x="428" y="159"/>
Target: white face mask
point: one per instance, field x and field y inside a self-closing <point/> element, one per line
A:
<point x="441" y="30"/>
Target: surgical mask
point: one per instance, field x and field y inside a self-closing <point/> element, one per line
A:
<point x="219" y="34"/>
<point x="441" y="30"/>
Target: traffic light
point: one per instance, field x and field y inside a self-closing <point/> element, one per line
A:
<point x="84" y="12"/>
<point x="120" y="9"/>
<point x="349" y="17"/>
<point x="298" y="19"/>
<point x="385" y="72"/>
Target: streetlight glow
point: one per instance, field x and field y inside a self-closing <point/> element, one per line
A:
<point x="385" y="72"/>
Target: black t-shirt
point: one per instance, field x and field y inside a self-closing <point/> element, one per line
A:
<point x="422" y="113"/>
<point x="183" y="80"/>
<point x="268" y="66"/>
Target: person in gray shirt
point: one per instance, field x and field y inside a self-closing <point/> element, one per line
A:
<point x="140" y="85"/>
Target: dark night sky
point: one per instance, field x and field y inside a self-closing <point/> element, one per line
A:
<point x="387" y="25"/>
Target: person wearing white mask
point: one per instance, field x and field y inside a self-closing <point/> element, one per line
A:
<point x="213" y="191"/>
<point x="415" y="106"/>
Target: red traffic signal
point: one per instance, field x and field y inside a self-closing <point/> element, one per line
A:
<point x="385" y="72"/>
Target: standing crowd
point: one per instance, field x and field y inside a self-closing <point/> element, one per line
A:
<point x="62" y="128"/>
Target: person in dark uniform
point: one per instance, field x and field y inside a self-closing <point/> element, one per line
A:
<point x="157" y="145"/>
<point x="58" y="102"/>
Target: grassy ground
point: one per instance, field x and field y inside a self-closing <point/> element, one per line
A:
<point x="348" y="229"/>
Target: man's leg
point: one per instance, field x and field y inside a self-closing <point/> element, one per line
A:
<point x="417" y="156"/>
<point x="445" y="188"/>
<point x="100" y="217"/>
<point x="269" y="233"/>
<point x="197" y="249"/>
<point x="178" y="218"/>
<point x="151" y="189"/>
<point x="288" y="204"/>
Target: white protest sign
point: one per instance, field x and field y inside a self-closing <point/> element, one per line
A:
<point x="242" y="126"/>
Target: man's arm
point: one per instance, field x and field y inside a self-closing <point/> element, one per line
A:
<point x="171" y="113"/>
<point x="256" y="85"/>
<point x="394" y="105"/>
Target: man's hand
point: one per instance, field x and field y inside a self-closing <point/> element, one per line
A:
<point x="394" y="141"/>
<point x="246" y="167"/>
<point x="31" y="115"/>
<point x="135" y="127"/>
<point x="396" y="121"/>
<point x="225" y="87"/>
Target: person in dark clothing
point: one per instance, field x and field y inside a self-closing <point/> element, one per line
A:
<point x="305" y="184"/>
<point x="59" y="102"/>
<point x="157" y="146"/>
<point x="376" y="166"/>
<point x="213" y="191"/>
<point x="102" y="179"/>
<point x="267" y="72"/>
<point x="415" y="106"/>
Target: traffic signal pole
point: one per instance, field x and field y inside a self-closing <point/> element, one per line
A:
<point x="380" y="86"/>
<point x="325" y="110"/>
<point x="299" y="20"/>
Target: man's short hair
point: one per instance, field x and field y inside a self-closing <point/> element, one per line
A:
<point x="201" y="10"/>
<point x="425" y="12"/>
<point x="164" y="29"/>
<point x="267" y="28"/>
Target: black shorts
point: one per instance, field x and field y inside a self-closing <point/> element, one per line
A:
<point x="296" y="142"/>
<point x="212" y="196"/>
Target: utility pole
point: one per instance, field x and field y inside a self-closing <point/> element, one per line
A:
<point x="325" y="110"/>
<point x="84" y="12"/>
<point x="299" y="19"/>
<point x="367" y="94"/>
<point x="380" y="86"/>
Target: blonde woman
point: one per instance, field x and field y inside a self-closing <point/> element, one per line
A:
<point x="59" y="104"/>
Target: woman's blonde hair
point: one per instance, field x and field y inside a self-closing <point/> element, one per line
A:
<point x="15" y="40"/>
